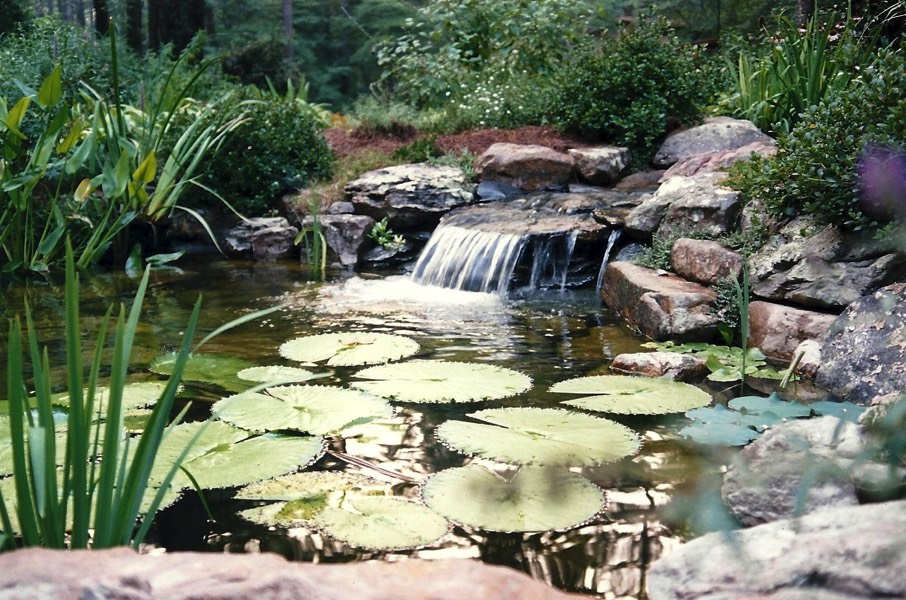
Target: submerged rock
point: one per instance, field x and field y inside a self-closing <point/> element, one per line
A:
<point x="849" y="552"/>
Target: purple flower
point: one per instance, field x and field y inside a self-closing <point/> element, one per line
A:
<point x="882" y="176"/>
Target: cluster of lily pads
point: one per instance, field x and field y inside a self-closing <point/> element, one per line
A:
<point x="533" y="490"/>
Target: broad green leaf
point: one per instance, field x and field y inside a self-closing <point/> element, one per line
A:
<point x="842" y="410"/>
<point x="349" y="349"/>
<point x="773" y="404"/>
<point x="534" y="499"/>
<point x="441" y="381"/>
<point x="719" y="434"/>
<point x="206" y="368"/>
<point x="52" y="89"/>
<point x="277" y="375"/>
<point x="136" y="396"/>
<point x="381" y="523"/>
<point x="254" y="459"/>
<point x="627" y="395"/>
<point x="146" y="171"/>
<point x="318" y="410"/>
<point x="310" y="483"/>
<point x="540" y="436"/>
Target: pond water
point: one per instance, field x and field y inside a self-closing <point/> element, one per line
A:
<point x="549" y="335"/>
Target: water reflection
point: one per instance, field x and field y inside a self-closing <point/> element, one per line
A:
<point x="550" y="335"/>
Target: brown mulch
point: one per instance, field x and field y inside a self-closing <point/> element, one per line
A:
<point x="345" y="142"/>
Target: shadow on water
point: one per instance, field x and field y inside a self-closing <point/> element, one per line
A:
<point x="551" y="336"/>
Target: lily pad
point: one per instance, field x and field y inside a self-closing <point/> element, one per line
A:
<point x="318" y="410"/>
<point x="535" y="499"/>
<point x="541" y="436"/>
<point x="846" y="411"/>
<point x="206" y="368"/>
<point x="772" y="404"/>
<point x="136" y="396"/>
<point x="382" y="523"/>
<point x="441" y="381"/>
<point x="349" y="349"/>
<point x="625" y="395"/>
<point x="277" y="375"/>
<point x="720" y="434"/>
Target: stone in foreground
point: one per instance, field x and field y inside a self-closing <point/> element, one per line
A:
<point x="846" y="552"/>
<point x="123" y="574"/>
<point x="777" y="330"/>
<point x="670" y="365"/>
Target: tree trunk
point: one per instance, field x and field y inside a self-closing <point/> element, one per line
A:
<point x="101" y="16"/>
<point x="80" y="12"/>
<point x="804" y="11"/>
<point x="288" y="30"/>
<point x="174" y="21"/>
<point x="134" y="31"/>
<point x="65" y="10"/>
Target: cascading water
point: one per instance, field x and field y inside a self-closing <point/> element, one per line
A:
<point x="614" y="236"/>
<point x="550" y="260"/>
<point x="469" y="259"/>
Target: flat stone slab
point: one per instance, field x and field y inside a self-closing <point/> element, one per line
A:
<point x="670" y="365"/>
<point x="660" y="305"/>
<point x="845" y="552"/>
<point x="123" y="574"/>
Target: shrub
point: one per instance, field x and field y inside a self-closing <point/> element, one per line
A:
<point x="624" y="90"/>
<point x="815" y="170"/>
<point x="278" y="149"/>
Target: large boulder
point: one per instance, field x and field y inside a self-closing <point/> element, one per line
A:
<point x="261" y="238"/>
<point x="719" y="160"/>
<point x="778" y="329"/>
<point x="411" y="197"/>
<point x="524" y="166"/>
<point x="717" y="134"/>
<point x="601" y="166"/>
<point x="845" y="553"/>
<point x="864" y="351"/>
<point x="660" y="305"/>
<point x="705" y="261"/>
<point x="685" y="204"/>
<point x="126" y="575"/>
<point x="822" y="268"/>
<point x="814" y="458"/>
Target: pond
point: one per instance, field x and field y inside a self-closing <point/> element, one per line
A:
<point x="550" y="335"/>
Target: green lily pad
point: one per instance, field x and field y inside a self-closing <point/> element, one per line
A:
<point x="719" y="434"/>
<point x="277" y="375"/>
<point x="541" y="436"/>
<point x="318" y="410"/>
<point x="221" y="371"/>
<point x="534" y="499"/>
<point x="381" y="523"/>
<point x="253" y="459"/>
<point x="772" y="404"/>
<point x="441" y="381"/>
<point x="620" y="394"/>
<point x="846" y="411"/>
<point x="349" y="349"/>
<point x="136" y="396"/>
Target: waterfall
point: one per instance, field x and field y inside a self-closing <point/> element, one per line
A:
<point x="469" y="259"/>
<point x="614" y="236"/>
<point x="550" y="260"/>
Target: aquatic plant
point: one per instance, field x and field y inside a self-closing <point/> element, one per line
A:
<point x="348" y="349"/>
<point x="621" y="394"/>
<point x="724" y="362"/>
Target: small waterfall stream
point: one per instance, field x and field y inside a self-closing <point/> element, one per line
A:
<point x="614" y="237"/>
<point x="469" y="259"/>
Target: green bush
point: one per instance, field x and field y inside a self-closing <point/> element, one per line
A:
<point x="277" y="150"/>
<point x="625" y="89"/>
<point x="815" y="170"/>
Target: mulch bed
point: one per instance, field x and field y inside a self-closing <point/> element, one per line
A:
<point x="345" y="142"/>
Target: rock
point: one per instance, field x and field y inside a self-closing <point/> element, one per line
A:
<point x="699" y="204"/>
<point x="850" y="552"/>
<point x="345" y="235"/>
<point x="670" y="365"/>
<point x="820" y="268"/>
<point x="864" y="351"/>
<point x="525" y="166"/>
<point x="705" y="261"/>
<point x="765" y="480"/>
<point x="778" y="330"/>
<point x="601" y="166"/>
<point x="340" y="208"/>
<point x="492" y="191"/>
<point x="810" y="361"/>
<point x="412" y="197"/>
<point x="643" y="181"/>
<point x="685" y="204"/>
<point x="720" y="160"/>
<point x="717" y="134"/>
<point x="660" y="306"/>
<point x="123" y="574"/>
<point x="262" y="238"/>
